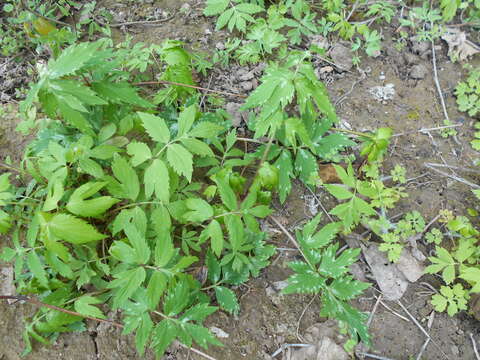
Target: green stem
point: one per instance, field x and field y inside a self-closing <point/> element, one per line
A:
<point x="356" y="133"/>
<point x="262" y="160"/>
<point x="228" y="213"/>
<point x="9" y="167"/>
<point x="139" y="203"/>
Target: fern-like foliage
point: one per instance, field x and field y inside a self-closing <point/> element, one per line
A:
<point x="324" y="272"/>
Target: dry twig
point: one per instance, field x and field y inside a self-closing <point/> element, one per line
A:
<point x="459" y="179"/>
<point x="474" y="343"/>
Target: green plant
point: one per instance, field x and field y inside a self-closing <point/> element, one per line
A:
<point x="233" y="14"/>
<point x="450" y="9"/>
<point x="114" y="203"/>
<point x="394" y="236"/>
<point x="324" y="272"/>
<point x="468" y="93"/>
<point x="460" y="263"/>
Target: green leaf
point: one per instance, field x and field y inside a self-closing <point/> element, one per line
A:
<point x="306" y="283"/>
<point x="155" y="127"/>
<point x="78" y="205"/>
<point x="84" y="306"/>
<point x="155" y="289"/>
<point x="346" y="288"/>
<point x="201" y="335"/>
<point x="157" y="180"/>
<point x="214" y="268"/>
<point x="235" y="231"/>
<point x="164" y="250"/>
<point x="260" y="211"/>
<point x="73" y="230"/>
<point x="123" y="252"/>
<point x="143" y="333"/>
<point x="439" y="302"/>
<point x="306" y="165"/>
<point x="91" y="167"/>
<point x="35" y="266"/>
<point x="127" y="176"/>
<point x="226" y="193"/>
<point x="138" y="242"/>
<point x="74" y="88"/>
<point x="126" y="284"/>
<point x="75" y="118"/>
<point x="186" y="119"/>
<point x="472" y="276"/>
<point x="335" y="267"/>
<point x="199" y="210"/>
<point x="198" y="313"/>
<point x="180" y="160"/>
<point x="55" y="193"/>
<point x="346" y="177"/>
<point x="177" y="298"/>
<point x="227" y="299"/>
<point x="338" y="191"/>
<point x="139" y="151"/>
<point x="72" y="59"/>
<point x="215" y="234"/>
<point x="215" y="7"/>
<point x="205" y="130"/>
<point x="197" y="147"/>
<point x="324" y="236"/>
<point x="285" y="167"/>
<point x="163" y="335"/>
<point x="120" y="92"/>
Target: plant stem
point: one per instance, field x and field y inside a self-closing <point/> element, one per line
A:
<point x="356" y="133"/>
<point x="227" y="213"/>
<point x="262" y="160"/>
<point x="139" y="203"/>
<point x="33" y="300"/>
<point x="9" y="167"/>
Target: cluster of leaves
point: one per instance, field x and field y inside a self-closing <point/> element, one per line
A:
<point x="290" y="22"/>
<point x="458" y="266"/>
<point x="113" y="213"/>
<point x="396" y="235"/>
<point x="468" y="93"/>
<point x="325" y="271"/>
<point x="115" y="216"/>
<point x="469" y="8"/>
<point x="301" y="136"/>
<point x="362" y="197"/>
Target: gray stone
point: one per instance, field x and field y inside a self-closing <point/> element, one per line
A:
<point x="342" y="56"/>
<point x="418" y="72"/>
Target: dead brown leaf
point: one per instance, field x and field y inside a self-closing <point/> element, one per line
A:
<point x="459" y="47"/>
